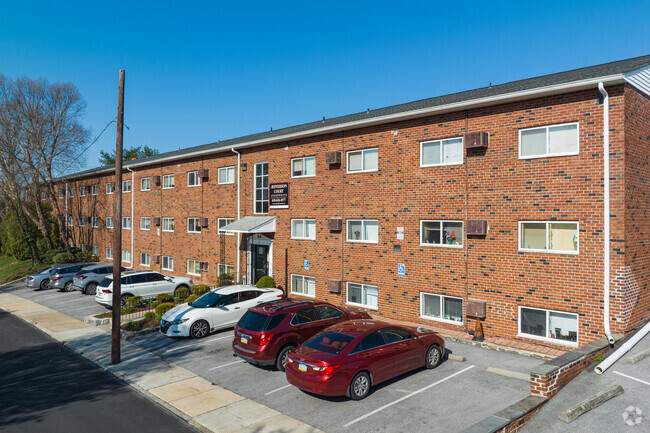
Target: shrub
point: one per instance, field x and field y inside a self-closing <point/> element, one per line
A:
<point x="151" y="303"/>
<point x="164" y="297"/>
<point x="191" y="298"/>
<point x="158" y="319"/>
<point x="133" y="325"/>
<point x="183" y="292"/>
<point x="224" y="280"/>
<point x="149" y="315"/>
<point x="134" y="301"/>
<point x="266" y="283"/>
<point x="127" y="309"/>
<point x="200" y="289"/>
<point x="64" y="257"/>
<point x="163" y="308"/>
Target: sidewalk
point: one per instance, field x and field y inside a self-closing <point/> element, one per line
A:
<point x="207" y="407"/>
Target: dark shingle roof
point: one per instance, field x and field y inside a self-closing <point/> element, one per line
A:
<point x="567" y="77"/>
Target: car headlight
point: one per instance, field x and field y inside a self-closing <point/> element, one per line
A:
<point x="179" y="321"/>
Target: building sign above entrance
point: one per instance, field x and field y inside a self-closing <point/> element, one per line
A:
<point x="279" y="195"/>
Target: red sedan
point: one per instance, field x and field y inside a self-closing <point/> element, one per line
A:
<point x="350" y="357"/>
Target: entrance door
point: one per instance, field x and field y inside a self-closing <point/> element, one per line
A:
<point x="260" y="261"/>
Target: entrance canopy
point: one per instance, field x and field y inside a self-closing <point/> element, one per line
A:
<point x="251" y="224"/>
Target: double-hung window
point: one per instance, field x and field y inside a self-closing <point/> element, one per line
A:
<point x="363" y="160"/>
<point x="303" y="167"/>
<point x="145" y="223"/>
<point x="194" y="225"/>
<point x="126" y="222"/>
<point x="193" y="178"/>
<point x="168" y="224"/>
<point x="82" y="191"/>
<point x="126" y="186"/>
<point x="262" y="187"/>
<point x="168" y="181"/>
<point x="70" y="221"/>
<point x="226" y="269"/>
<point x="441" y="233"/>
<point x="551" y="140"/>
<point x="168" y="263"/>
<point x="303" y="229"/>
<point x="71" y="192"/>
<point x="226" y="175"/>
<point x="363" y="231"/>
<point x="82" y="221"/>
<point x="145" y="184"/>
<point x="110" y="188"/>
<point x="441" y="152"/>
<point x="555" y="326"/>
<point x="363" y="295"/>
<point x="62" y="193"/>
<point x="109" y="222"/>
<point x="95" y="250"/>
<point x="194" y="267"/>
<point x="440" y="307"/>
<point x="94" y="221"/>
<point x="303" y="285"/>
<point x="223" y="222"/>
<point x="126" y="256"/>
<point x="109" y="253"/>
<point x="145" y="259"/>
<point x="95" y="189"/>
<point x="549" y="236"/>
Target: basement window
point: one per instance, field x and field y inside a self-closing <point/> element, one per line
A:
<point x="362" y="295"/>
<point x="551" y="140"/>
<point x="440" y="307"/>
<point x="303" y="285"/>
<point x="555" y="326"/>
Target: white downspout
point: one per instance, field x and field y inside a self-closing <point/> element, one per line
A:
<point x="611" y="359"/>
<point x="606" y="214"/>
<point x="238" y="209"/>
<point x="132" y="220"/>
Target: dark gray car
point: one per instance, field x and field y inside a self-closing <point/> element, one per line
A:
<point x="61" y="275"/>
<point x="87" y="279"/>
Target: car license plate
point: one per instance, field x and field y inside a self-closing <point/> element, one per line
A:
<point x="302" y="367"/>
<point x="244" y="340"/>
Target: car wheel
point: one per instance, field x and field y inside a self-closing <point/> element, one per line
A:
<point x="199" y="329"/>
<point x="281" y="360"/>
<point x="123" y="299"/>
<point x="360" y="386"/>
<point x="91" y="289"/>
<point x="434" y="356"/>
<point x="178" y="288"/>
<point x="68" y="286"/>
<point x="43" y="285"/>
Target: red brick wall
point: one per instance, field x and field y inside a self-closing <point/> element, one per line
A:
<point x="502" y="189"/>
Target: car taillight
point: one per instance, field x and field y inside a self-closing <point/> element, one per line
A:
<point x="281" y="296"/>
<point x="57" y="279"/>
<point x="81" y="277"/>
<point x="327" y="370"/>
<point x="107" y="291"/>
<point x="265" y="338"/>
<point x="30" y="278"/>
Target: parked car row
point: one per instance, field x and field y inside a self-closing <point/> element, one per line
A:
<point x="322" y="348"/>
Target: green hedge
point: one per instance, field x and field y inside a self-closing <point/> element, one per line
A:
<point x="200" y="289"/>
<point x="163" y="308"/>
<point x="182" y="293"/>
<point x="164" y="297"/>
<point x="191" y="298"/>
<point x="266" y="283"/>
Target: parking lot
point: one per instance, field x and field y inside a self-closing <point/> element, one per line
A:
<point x="449" y="398"/>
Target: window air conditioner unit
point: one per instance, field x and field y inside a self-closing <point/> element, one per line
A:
<point x="476" y="140"/>
<point x="477" y="227"/>
<point x="333" y="158"/>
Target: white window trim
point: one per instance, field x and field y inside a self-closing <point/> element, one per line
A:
<point x="94" y="222"/>
<point x="440" y="319"/>
<point x="548" y="251"/>
<point x="547" y="154"/>
<point x="168" y="176"/>
<point x="71" y="192"/>
<point x="442" y="140"/>
<point x="82" y="221"/>
<point x="112" y="224"/>
<point x="196" y="176"/>
<point x="268" y="200"/>
<point x="142" y="179"/>
<point x="109" y="184"/>
<point x="82" y="191"/>
<point x="302" y="237"/>
<point x="188" y="266"/>
<point x="347" y="231"/>
<point x="225" y="265"/>
<point x="162" y="266"/>
<point x="70" y="221"/>
<point x="441" y="245"/>
<point x="93" y="248"/>
<point x="127" y="182"/>
<point x="130" y="223"/>
<point x="219" y="232"/>
<point x="93" y="189"/>
<point x="144" y="264"/>
<point x="163" y="224"/>
<point x="362" y="151"/>
<point x="303" y="165"/>
<point x="347" y="294"/>
<point x="303" y="282"/>
<point x="142" y="220"/>
<point x="111" y="257"/>
<point x="219" y="175"/>
<point x="549" y="340"/>
<point x="188" y="224"/>
<point x="125" y="260"/>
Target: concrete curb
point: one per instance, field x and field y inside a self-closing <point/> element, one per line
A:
<point x="14" y="281"/>
<point x="508" y="373"/>
<point x="97" y="321"/>
<point x="127" y="335"/>
<point x="593" y="402"/>
<point x="496" y="347"/>
<point x="639" y="356"/>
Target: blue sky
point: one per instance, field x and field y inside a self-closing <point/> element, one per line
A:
<point x="198" y="72"/>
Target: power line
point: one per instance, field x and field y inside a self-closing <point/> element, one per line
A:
<point x="88" y="147"/>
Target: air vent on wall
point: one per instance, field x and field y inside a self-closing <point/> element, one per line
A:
<point x="476" y="140"/>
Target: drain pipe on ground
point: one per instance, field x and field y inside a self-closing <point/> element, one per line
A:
<point x="600" y="368"/>
<point x="606" y="277"/>
<point x="238" y="210"/>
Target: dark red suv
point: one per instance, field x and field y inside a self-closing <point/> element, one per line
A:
<point x="267" y="332"/>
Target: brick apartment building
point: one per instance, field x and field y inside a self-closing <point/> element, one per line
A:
<point x="415" y="211"/>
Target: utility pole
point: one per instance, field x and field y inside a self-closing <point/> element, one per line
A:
<point x="117" y="231"/>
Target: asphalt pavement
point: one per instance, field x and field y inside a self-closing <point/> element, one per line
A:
<point x="45" y="387"/>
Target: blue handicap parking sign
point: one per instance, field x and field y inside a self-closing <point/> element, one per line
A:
<point x="306" y="265"/>
<point x="401" y="270"/>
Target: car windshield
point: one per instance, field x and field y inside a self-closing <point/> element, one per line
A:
<point x="209" y="300"/>
<point x="332" y="342"/>
<point x="106" y="282"/>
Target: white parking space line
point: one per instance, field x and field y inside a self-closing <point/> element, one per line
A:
<point x="226" y="365"/>
<point x="279" y="389"/>
<point x="199" y="343"/>
<point x="633" y="378"/>
<point x="407" y="396"/>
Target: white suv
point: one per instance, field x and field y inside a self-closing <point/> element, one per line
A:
<point x="140" y="283"/>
